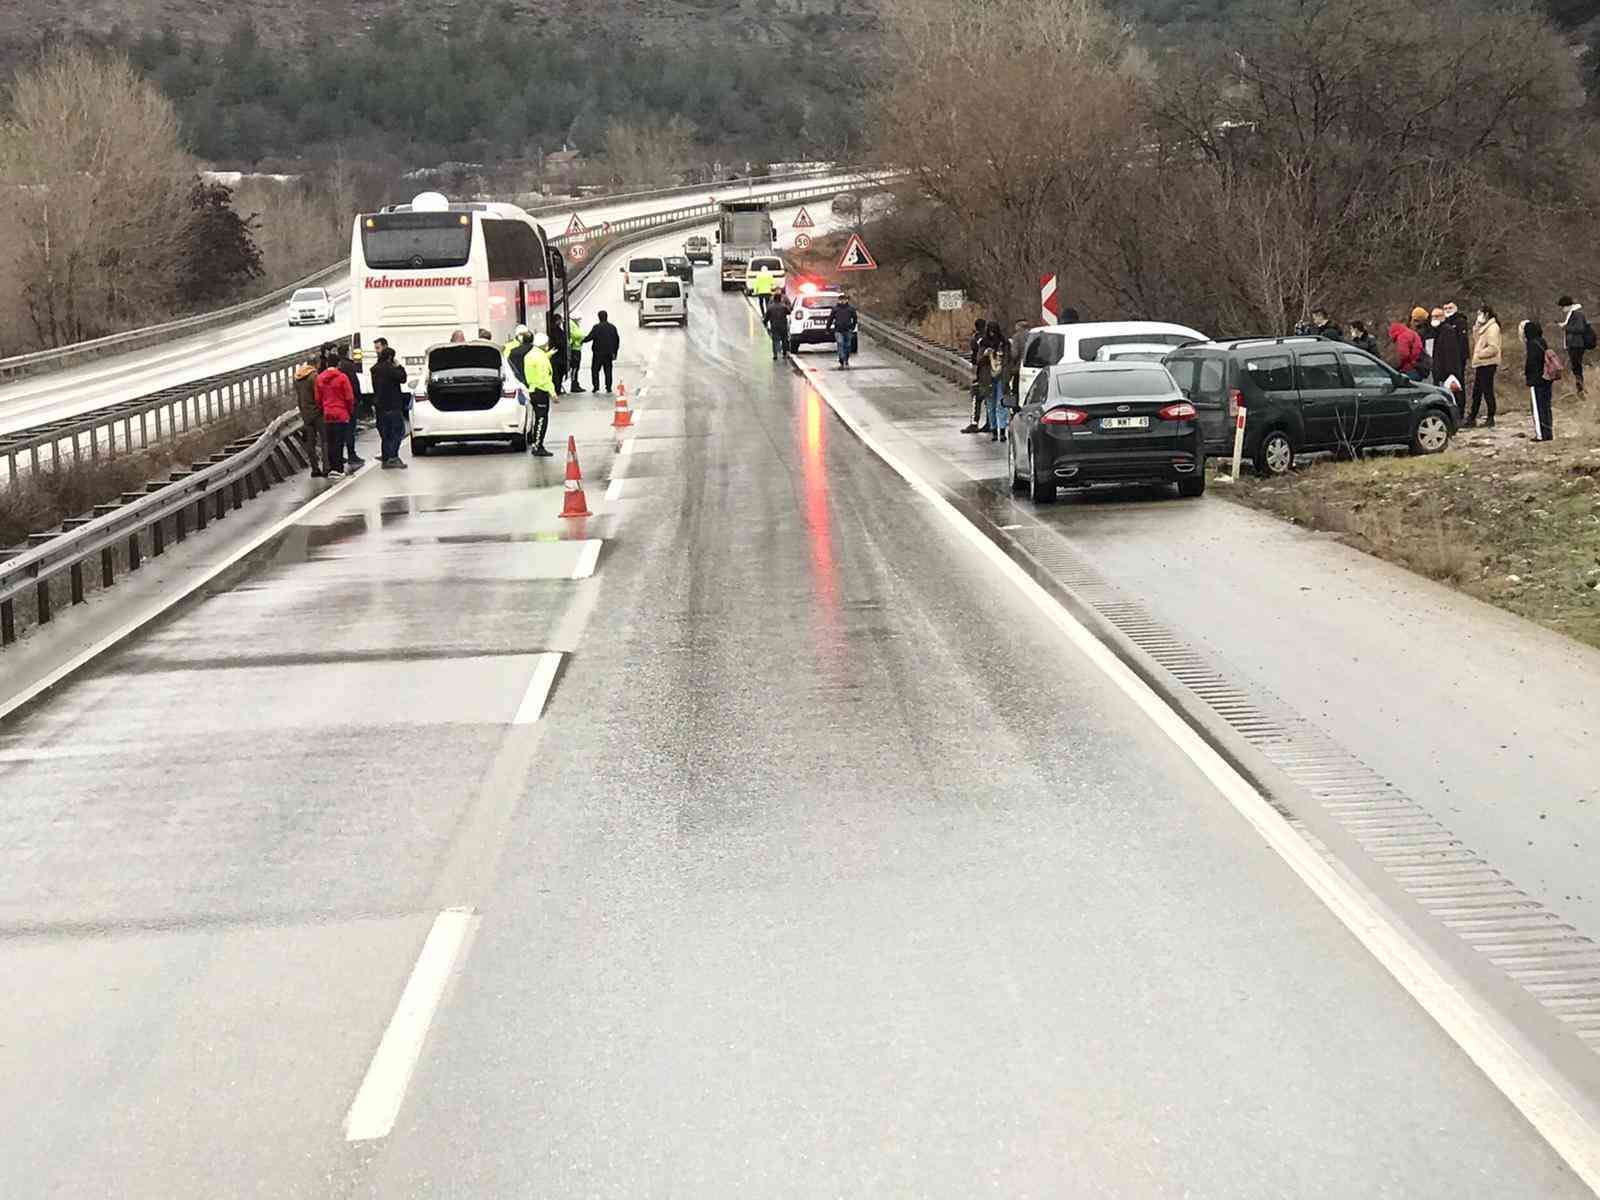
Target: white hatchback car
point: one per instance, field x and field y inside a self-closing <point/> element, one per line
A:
<point x="640" y="270"/>
<point x="664" y="300"/>
<point x="311" y="306"/>
<point x="469" y="395"/>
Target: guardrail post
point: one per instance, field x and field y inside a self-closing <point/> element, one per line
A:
<point x="134" y="561"/>
<point x="41" y="595"/>
<point x="180" y="524"/>
<point x="8" y="623"/>
<point x="76" y="572"/>
<point x="158" y="539"/>
<point x="200" y="514"/>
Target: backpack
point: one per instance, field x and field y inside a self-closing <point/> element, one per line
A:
<point x="1588" y="335"/>
<point x="1553" y="370"/>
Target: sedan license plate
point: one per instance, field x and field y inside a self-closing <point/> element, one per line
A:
<point x="1124" y="422"/>
<point x="415" y="360"/>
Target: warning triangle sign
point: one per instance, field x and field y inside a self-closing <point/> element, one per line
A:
<point x="856" y="256"/>
<point x="575" y="225"/>
<point x="802" y="220"/>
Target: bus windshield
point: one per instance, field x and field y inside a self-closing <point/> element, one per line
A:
<point x="418" y="241"/>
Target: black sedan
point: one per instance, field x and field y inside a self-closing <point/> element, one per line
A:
<point x="1105" y="422"/>
<point x="680" y="268"/>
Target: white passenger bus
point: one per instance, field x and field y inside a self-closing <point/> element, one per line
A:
<point x="425" y="271"/>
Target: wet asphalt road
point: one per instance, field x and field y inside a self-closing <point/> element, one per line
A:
<point x="827" y="870"/>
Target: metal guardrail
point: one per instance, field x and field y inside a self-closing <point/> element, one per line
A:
<point x="135" y="339"/>
<point x="930" y="355"/>
<point x="206" y="492"/>
<point x="237" y="474"/>
<point x="139" y="423"/>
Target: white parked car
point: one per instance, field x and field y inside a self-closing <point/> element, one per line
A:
<point x="770" y="263"/>
<point x="640" y="270"/>
<point x="664" y="300"/>
<point x="311" y="306"/>
<point x="469" y="394"/>
<point x="1047" y="345"/>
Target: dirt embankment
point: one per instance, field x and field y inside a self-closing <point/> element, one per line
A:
<point x="1504" y="518"/>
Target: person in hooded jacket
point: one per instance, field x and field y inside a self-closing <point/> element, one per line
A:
<point x="1575" y="336"/>
<point x="991" y="379"/>
<point x="1361" y="338"/>
<point x="311" y="431"/>
<point x="1407" y="350"/>
<point x="1486" y="355"/>
<point x="516" y="350"/>
<point x="1539" y="387"/>
<point x="1449" y="355"/>
<point x="338" y="403"/>
<point x="389" y="401"/>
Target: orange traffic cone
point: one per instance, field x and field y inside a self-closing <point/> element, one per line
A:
<point x="622" y="417"/>
<point x="574" y="504"/>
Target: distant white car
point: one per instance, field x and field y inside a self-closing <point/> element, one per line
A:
<point x="311" y="306"/>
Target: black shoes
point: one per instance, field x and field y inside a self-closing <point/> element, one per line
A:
<point x="972" y="428"/>
<point x="541" y="452"/>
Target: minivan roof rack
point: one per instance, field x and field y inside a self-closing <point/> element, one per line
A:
<point x="1290" y="340"/>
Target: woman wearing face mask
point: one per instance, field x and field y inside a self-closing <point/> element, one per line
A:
<point x="1485" y="363"/>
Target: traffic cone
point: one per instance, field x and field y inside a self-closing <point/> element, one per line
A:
<point x="622" y="416"/>
<point x="574" y="504"/>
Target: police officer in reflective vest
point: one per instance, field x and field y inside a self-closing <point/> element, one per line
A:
<point x="575" y="350"/>
<point x="541" y="387"/>
<point x="762" y="287"/>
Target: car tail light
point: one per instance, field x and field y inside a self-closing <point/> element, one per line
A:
<point x="1235" y="402"/>
<point x="1064" y="416"/>
<point x="1181" y="411"/>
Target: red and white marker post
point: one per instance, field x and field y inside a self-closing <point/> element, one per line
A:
<point x="1238" y="443"/>
<point x="1049" y="302"/>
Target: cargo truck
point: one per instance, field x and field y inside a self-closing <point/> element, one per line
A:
<point x="744" y="231"/>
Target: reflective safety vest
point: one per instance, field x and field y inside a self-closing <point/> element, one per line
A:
<point x="505" y="351"/>
<point x="763" y="284"/>
<point x="536" y="371"/>
<point x="575" y="336"/>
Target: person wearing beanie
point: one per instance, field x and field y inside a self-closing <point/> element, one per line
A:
<point x="1577" y="336"/>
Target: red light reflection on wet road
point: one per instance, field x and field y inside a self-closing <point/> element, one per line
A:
<point x="819" y="521"/>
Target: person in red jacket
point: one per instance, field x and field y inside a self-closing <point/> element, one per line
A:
<point x="338" y="403"/>
<point x="1407" y="348"/>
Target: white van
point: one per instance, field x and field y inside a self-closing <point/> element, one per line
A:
<point x="1047" y="345"/>
<point x="469" y="395"/>
<point x="640" y="270"/>
<point x="664" y="300"/>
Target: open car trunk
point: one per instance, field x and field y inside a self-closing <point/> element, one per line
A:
<point x="464" y="376"/>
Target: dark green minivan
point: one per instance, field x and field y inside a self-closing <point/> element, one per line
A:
<point x="1306" y="395"/>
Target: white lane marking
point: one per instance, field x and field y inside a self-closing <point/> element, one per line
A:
<point x="588" y="556"/>
<point x="642" y="391"/>
<point x="372" y="1114"/>
<point x="1486" y="1039"/>
<point x="613" y="491"/>
<point x="544" y="675"/>
<point x="626" y="447"/>
<point x="133" y="626"/>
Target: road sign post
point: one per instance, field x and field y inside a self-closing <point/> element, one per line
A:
<point x="856" y="256"/>
<point x="950" y="302"/>
<point x="1049" y="303"/>
<point x="1238" y="448"/>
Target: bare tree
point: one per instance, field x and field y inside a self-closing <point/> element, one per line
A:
<point x="94" y="149"/>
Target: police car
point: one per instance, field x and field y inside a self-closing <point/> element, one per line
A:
<point x="809" y="306"/>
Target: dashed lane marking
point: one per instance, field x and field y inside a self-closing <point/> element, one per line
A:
<point x="544" y="677"/>
<point x="377" y="1104"/>
<point x="588" y="557"/>
<point x="1564" y="1120"/>
<point x="613" y="491"/>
